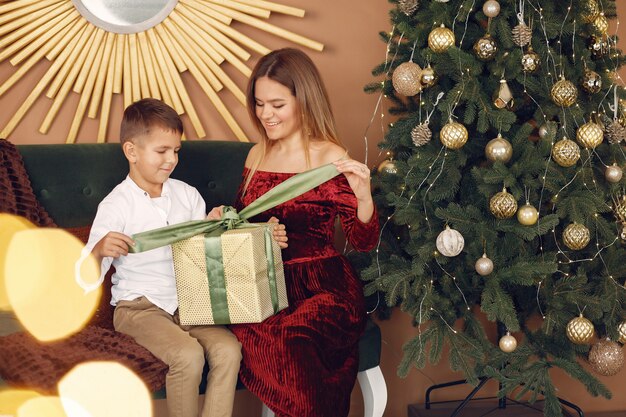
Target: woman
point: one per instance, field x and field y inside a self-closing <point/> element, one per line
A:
<point x="303" y="361"/>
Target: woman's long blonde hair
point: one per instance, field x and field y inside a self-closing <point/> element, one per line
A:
<point x="296" y="71"/>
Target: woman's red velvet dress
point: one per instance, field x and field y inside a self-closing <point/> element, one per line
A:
<point x="302" y="362"/>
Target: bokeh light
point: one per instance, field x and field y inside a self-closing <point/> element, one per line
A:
<point x="43" y="407"/>
<point x="9" y="225"/>
<point x="104" y="389"/>
<point x="40" y="284"/>
<point x="12" y="399"/>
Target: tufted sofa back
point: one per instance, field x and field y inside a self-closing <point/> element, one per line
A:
<point x="71" y="180"/>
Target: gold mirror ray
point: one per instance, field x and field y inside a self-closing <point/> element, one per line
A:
<point x="40" y="284"/>
<point x="196" y="37"/>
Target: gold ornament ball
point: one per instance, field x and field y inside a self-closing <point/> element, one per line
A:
<point x="600" y="24"/>
<point x="485" y="48"/>
<point x="580" y="330"/>
<point x="507" y="343"/>
<point x="388" y="167"/>
<point x="484" y="265"/>
<point x="564" y="93"/>
<point x="613" y="173"/>
<point x="589" y="11"/>
<point x="406" y="79"/>
<point x="566" y="152"/>
<point x="543" y="131"/>
<point x="530" y="61"/>
<point x="440" y="39"/>
<point x="453" y="135"/>
<point x="499" y="149"/>
<point x="619" y="207"/>
<point x="576" y="236"/>
<point x="503" y="205"/>
<point x="491" y="8"/>
<point x="606" y="357"/>
<point x="590" y="135"/>
<point x="428" y="77"/>
<point x="591" y="82"/>
<point x="622" y="332"/>
<point x="527" y="215"/>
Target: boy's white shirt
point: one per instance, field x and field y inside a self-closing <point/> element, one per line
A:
<point x="129" y="210"/>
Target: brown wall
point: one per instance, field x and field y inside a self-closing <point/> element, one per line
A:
<point x="349" y="29"/>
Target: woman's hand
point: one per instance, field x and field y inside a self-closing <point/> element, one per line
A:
<point x="358" y="176"/>
<point x="215" y="213"/>
<point x="279" y="232"/>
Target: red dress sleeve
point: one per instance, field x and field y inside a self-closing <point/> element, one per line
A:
<point x="362" y="236"/>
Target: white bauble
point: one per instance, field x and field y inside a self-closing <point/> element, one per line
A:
<point x="450" y="242"/>
<point x="491" y="8"/>
<point x="484" y="265"/>
<point x="507" y="343"/>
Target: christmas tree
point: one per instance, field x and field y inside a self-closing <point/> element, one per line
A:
<point x="503" y="200"/>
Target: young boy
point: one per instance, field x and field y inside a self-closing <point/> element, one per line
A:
<point x="144" y="288"/>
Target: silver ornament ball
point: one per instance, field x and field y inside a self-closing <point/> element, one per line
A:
<point x="613" y="173"/>
<point x="507" y="343"/>
<point x="484" y="265"/>
<point x="491" y="8"/>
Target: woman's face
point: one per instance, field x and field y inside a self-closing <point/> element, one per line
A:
<point x="276" y="108"/>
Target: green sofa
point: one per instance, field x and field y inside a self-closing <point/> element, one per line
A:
<point x="71" y="180"/>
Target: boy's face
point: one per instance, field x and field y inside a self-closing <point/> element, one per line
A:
<point x="152" y="158"/>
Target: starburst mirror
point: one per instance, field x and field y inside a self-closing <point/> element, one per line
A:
<point x="136" y="48"/>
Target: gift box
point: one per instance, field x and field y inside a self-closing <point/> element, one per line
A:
<point x="236" y="277"/>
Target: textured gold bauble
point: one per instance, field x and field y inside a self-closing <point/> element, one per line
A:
<point x="406" y="79"/>
<point x="613" y="173"/>
<point x="485" y="48"/>
<point x="408" y="7"/>
<point x="428" y="77"/>
<point x="388" y="167"/>
<point x="621" y="329"/>
<point x="599" y="46"/>
<point x="615" y="132"/>
<point x="453" y="135"/>
<point x="522" y="34"/>
<point x="503" y="205"/>
<point x="484" y="265"/>
<point x="507" y="343"/>
<point x="499" y="149"/>
<point x="576" y="236"/>
<point x="527" y="215"/>
<point x="619" y="208"/>
<point x="530" y="61"/>
<point x="421" y="134"/>
<point x="564" y="93"/>
<point x="440" y="39"/>
<point x="600" y="24"/>
<point x="589" y="10"/>
<point x="591" y="82"/>
<point x="566" y="152"/>
<point x="606" y="357"/>
<point x="580" y="330"/>
<point x="590" y="135"/>
<point x="491" y="8"/>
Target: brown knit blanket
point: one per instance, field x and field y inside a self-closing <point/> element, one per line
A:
<point x="26" y="363"/>
<point x="16" y="193"/>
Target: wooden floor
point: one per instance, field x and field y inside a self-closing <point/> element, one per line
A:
<point x="489" y="408"/>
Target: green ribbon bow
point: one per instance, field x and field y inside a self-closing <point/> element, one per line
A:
<point x="285" y="191"/>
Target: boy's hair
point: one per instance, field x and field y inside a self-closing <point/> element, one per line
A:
<point x="143" y="115"/>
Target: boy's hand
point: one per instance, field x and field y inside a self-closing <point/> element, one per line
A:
<point x="280" y="234"/>
<point x="215" y="213"/>
<point x="113" y="244"/>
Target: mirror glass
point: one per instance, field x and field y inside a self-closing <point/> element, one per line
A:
<point x="125" y="16"/>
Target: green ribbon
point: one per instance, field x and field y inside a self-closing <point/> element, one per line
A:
<point x="285" y="191"/>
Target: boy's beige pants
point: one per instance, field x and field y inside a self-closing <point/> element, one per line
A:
<point x="184" y="349"/>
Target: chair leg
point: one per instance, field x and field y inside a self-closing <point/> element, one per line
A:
<point x="374" y="391"/>
<point x="266" y="412"/>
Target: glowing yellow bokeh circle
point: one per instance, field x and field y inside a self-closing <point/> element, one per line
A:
<point x="12" y="399"/>
<point x="43" y="407"/>
<point x="9" y="225"/>
<point x="104" y="389"/>
<point x="40" y="283"/>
